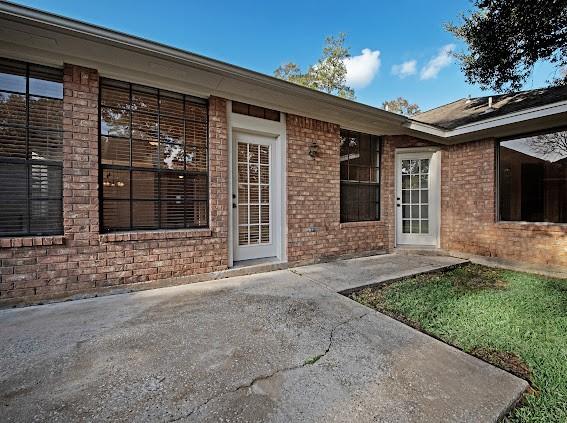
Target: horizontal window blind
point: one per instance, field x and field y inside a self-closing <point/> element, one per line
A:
<point x="31" y="149"/>
<point x="154" y="158"/>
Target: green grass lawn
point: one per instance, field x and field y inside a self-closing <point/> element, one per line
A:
<point x="514" y="320"/>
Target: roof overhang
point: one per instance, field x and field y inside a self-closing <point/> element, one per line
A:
<point x="534" y="119"/>
<point x="29" y="34"/>
<point x="40" y="37"/>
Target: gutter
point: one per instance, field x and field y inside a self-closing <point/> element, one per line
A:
<point x="490" y="123"/>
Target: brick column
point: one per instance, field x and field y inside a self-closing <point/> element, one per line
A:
<point x="80" y="162"/>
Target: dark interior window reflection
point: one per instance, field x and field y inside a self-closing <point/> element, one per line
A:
<point x="533" y="178"/>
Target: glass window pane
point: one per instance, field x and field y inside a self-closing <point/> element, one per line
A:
<point x="533" y="178"/>
<point x="197" y="160"/>
<point x="145" y="154"/>
<point x="12" y="109"/>
<point x="115" y="151"/>
<point x="145" y="214"/>
<point x="144" y="99"/>
<point x="144" y="126"/>
<point x="46" y="81"/>
<point x="172" y="214"/>
<point x="116" y="215"/>
<point x="425" y="226"/>
<point x="116" y="184"/>
<point x="145" y="185"/>
<point x="415" y="226"/>
<point x="46" y="181"/>
<point x="406" y="228"/>
<point x="115" y="97"/>
<point x="171" y="105"/>
<point x="197" y="214"/>
<point x="45" y="113"/>
<point x="172" y="186"/>
<point x="171" y="130"/>
<point x="46" y="145"/>
<point x="114" y="122"/>
<point x="424" y="211"/>
<point x="405" y="181"/>
<point x="424" y="196"/>
<point x="195" y="112"/>
<point x="45" y="216"/>
<point x="415" y="196"/>
<point x="172" y="156"/>
<point x="196" y="188"/>
<point x="12" y="142"/>
<point x="12" y="76"/>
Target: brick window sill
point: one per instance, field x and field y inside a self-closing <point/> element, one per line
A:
<point x="32" y="241"/>
<point x="155" y="235"/>
<point x="365" y="224"/>
<point x="535" y="226"/>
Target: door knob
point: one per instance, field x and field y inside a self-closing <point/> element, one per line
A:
<point x="233" y="205"/>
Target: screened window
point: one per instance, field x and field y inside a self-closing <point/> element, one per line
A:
<point x="533" y="178"/>
<point x="154" y="167"/>
<point x="360" y="176"/>
<point x="31" y="149"/>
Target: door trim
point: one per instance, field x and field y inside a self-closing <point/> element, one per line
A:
<point x="436" y="194"/>
<point x="277" y="130"/>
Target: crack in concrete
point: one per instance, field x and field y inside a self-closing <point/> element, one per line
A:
<point x="276" y="372"/>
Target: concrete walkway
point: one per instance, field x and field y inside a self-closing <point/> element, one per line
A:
<point x="273" y="347"/>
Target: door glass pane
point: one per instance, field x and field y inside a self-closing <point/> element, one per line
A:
<point x="415" y="196"/>
<point x="253" y="194"/>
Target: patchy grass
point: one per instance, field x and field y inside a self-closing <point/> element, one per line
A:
<point x="313" y="360"/>
<point x="514" y="320"/>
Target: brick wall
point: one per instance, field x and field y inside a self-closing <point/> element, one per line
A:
<point x="468" y="209"/>
<point x="313" y="210"/>
<point x="469" y="212"/>
<point x="85" y="260"/>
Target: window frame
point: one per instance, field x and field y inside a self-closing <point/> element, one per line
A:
<point x="152" y="170"/>
<point x="378" y="184"/>
<point x="497" y="174"/>
<point x="28" y="162"/>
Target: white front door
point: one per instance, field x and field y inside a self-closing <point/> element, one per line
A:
<point x="418" y="179"/>
<point x="253" y="197"/>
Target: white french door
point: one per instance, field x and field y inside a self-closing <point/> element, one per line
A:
<point x="418" y="181"/>
<point x="253" y="197"/>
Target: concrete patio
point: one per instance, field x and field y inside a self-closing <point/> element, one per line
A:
<point x="280" y="346"/>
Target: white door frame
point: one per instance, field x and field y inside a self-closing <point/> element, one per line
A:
<point x="276" y="130"/>
<point x="434" y="239"/>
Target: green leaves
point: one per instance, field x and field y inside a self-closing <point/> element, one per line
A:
<point x="506" y="38"/>
<point x="327" y="75"/>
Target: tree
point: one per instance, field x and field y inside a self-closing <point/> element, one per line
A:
<point x="552" y="145"/>
<point x="327" y="75"/>
<point x="401" y="106"/>
<point x="506" y="38"/>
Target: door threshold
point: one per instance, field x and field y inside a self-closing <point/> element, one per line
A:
<point x="255" y="262"/>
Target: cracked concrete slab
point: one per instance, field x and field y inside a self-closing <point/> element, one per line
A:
<point x="270" y="347"/>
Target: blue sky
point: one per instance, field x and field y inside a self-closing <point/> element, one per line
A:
<point x="404" y="41"/>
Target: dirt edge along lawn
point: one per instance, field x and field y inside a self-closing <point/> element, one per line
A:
<point x="516" y="321"/>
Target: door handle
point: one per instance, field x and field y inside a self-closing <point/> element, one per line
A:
<point x="397" y="205"/>
<point x="234" y="205"/>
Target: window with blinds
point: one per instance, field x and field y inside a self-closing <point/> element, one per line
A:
<point x="31" y="149"/>
<point x="360" y="176"/>
<point x="154" y="166"/>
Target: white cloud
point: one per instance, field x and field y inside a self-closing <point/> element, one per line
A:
<point x="362" y="69"/>
<point x="442" y="60"/>
<point x="405" y="69"/>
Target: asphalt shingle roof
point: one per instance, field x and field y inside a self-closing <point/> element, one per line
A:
<point x="465" y="111"/>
